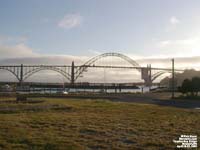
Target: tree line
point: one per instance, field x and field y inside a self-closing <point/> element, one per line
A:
<point x="190" y="87"/>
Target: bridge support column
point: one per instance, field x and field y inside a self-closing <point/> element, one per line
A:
<point x="72" y="73"/>
<point x="21" y="75"/>
<point x="146" y="75"/>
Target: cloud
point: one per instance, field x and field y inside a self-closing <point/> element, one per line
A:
<point x="183" y="47"/>
<point x="70" y="21"/>
<point x="23" y="54"/>
<point x="98" y="75"/>
<point x="3" y="39"/>
<point x="164" y="43"/>
<point x="10" y="40"/>
<point x="16" y="51"/>
<point x="94" y="52"/>
<point x="188" y="41"/>
<point x="173" y="20"/>
<point x="92" y="75"/>
<point x="172" y="24"/>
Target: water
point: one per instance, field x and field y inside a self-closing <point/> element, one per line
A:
<point x="73" y="90"/>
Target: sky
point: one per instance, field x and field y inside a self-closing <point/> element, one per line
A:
<point x="80" y="29"/>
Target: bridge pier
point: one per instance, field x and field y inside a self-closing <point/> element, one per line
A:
<point x="146" y="75"/>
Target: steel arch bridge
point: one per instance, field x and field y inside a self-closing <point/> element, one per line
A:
<point x="14" y="70"/>
<point x="158" y="74"/>
<point x="91" y="61"/>
<point x="72" y="72"/>
<point x="22" y="72"/>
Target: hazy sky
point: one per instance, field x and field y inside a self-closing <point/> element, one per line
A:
<point x="59" y="31"/>
<point x="88" y="27"/>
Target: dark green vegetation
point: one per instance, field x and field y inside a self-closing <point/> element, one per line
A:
<point x="190" y="87"/>
<point x="180" y="77"/>
<point x="73" y="124"/>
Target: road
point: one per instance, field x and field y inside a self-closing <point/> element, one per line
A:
<point x="162" y="99"/>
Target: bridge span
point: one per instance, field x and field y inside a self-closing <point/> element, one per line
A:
<point x="73" y="72"/>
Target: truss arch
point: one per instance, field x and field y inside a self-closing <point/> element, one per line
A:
<point x="13" y="71"/>
<point x="84" y="67"/>
<point x="41" y="68"/>
<point x="158" y="74"/>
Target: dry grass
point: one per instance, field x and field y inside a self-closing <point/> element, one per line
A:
<point x="72" y="124"/>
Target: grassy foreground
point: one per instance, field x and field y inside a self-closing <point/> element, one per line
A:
<point x="72" y="124"/>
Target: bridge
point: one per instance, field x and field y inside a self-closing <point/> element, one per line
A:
<point x="73" y="72"/>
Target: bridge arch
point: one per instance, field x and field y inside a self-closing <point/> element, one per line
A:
<point x="83" y="68"/>
<point x="158" y="74"/>
<point x="36" y="70"/>
<point x="12" y="72"/>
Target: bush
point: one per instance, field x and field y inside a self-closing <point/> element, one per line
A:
<point x="190" y="87"/>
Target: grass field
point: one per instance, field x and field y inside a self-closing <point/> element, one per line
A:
<point x="73" y="124"/>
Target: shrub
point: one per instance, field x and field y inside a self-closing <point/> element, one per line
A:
<point x="191" y="87"/>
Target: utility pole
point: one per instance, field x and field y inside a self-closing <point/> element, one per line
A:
<point x="72" y="73"/>
<point x="21" y="75"/>
<point x="150" y="82"/>
<point x="173" y="86"/>
<point x="104" y="82"/>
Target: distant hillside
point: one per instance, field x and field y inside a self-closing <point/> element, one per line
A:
<point x="187" y="74"/>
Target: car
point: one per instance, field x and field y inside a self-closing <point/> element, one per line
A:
<point x="64" y="92"/>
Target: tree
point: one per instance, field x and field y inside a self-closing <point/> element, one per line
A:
<point x="195" y="85"/>
<point x="190" y="86"/>
<point x="186" y="87"/>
